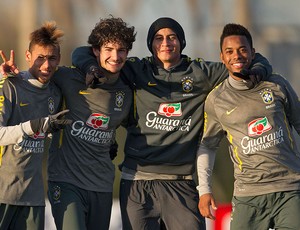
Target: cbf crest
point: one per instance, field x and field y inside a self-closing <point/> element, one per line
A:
<point x="120" y="98"/>
<point x="56" y="193"/>
<point x="267" y="96"/>
<point x="187" y="84"/>
<point x="51" y="105"/>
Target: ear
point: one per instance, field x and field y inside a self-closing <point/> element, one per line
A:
<point x="253" y="53"/>
<point x="222" y="57"/>
<point x="96" y="52"/>
<point x="28" y="55"/>
<point x="58" y="60"/>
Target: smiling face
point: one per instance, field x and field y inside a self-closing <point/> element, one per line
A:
<point x="111" y="57"/>
<point x="236" y="54"/>
<point x="43" y="61"/>
<point x="166" y="48"/>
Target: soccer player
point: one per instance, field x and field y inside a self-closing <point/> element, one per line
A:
<point x="157" y="189"/>
<point x="28" y="112"/>
<point x="257" y="122"/>
<point x="80" y="169"/>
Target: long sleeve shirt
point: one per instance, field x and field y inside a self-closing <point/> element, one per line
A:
<point x="166" y="120"/>
<point x="258" y="124"/>
<point x="23" y="98"/>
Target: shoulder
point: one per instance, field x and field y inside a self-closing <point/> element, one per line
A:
<point x="278" y="80"/>
<point x="217" y="90"/>
<point x="67" y="70"/>
<point x="64" y="73"/>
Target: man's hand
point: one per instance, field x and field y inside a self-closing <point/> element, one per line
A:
<point x="207" y="202"/>
<point x="50" y="124"/>
<point x="113" y="150"/>
<point x="8" y="66"/>
<point x="95" y="76"/>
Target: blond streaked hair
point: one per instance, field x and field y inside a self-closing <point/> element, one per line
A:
<point x="47" y="34"/>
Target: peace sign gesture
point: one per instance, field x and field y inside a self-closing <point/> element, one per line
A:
<point x="8" y="66"/>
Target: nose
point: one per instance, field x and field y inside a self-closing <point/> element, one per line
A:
<point x="165" y="41"/>
<point x="114" y="54"/>
<point x="237" y="54"/>
<point x="46" y="63"/>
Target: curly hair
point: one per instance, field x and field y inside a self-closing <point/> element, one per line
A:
<point x="46" y="35"/>
<point x="113" y="30"/>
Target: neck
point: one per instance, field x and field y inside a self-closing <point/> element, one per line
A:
<point x="28" y="77"/>
<point x="168" y="65"/>
<point x="238" y="83"/>
<point x="111" y="77"/>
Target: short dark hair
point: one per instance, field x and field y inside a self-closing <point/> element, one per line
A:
<point x="113" y="30"/>
<point x="46" y="35"/>
<point x="235" y="29"/>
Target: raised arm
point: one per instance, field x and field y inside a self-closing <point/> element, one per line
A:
<point x="83" y="58"/>
<point x="8" y="66"/>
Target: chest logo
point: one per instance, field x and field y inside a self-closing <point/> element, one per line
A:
<point x="98" y="121"/>
<point x="187" y="84"/>
<point x="267" y="96"/>
<point x="170" y="110"/>
<point x="151" y="84"/>
<point x="23" y="104"/>
<point x="230" y="111"/>
<point x="83" y="92"/>
<point x="120" y="98"/>
<point x="51" y="105"/>
<point x="258" y="126"/>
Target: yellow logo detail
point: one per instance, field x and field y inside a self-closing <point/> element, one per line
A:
<point x="229" y="112"/>
<point x="82" y="92"/>
<point x="151" y="84"/>
<point x="23" y="104"/>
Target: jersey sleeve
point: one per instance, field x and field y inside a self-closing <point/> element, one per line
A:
<point x="292" y="103"/>
<point x="212" y="135"/>
<point x="10" y="134"/>
<point x="83" y="58"/>
<point x="205" y="164"/>
<point x="261" y="66"/>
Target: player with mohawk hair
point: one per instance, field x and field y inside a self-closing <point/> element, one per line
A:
<point x="28" y="112"/>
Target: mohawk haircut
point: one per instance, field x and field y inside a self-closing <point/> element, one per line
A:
<point x="112" y="30"/>
<point x="46" y="35"/>
<point x="232" y="29"/>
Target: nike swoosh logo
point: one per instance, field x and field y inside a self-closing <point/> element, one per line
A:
<point x="151" y="84"/>
<point x="229" y="112"/>
<point x="23" y="104"/>
<point x="82" y="92"/>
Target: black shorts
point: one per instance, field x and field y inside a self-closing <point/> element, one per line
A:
<point x="160" y="204"/>
<point x="75" y="208"/>
<point x="15" y="217"/>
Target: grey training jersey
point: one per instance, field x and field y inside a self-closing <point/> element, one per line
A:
<point x="258" y="125"/>
<point x="79" y="155"/>
<point x="21" y="181"/>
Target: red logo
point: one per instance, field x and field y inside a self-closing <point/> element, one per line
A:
<point x="98" y="121"/>
<point x="258" y="126"/>
<point x="38" y="135"/>
<point x="170" y="110"/>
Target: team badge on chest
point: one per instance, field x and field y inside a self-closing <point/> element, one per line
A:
<point x="267" y="96"/>
<point x="120" y="98"/>
<point x="51" y="105"/>
<point x="187" y="84"/>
